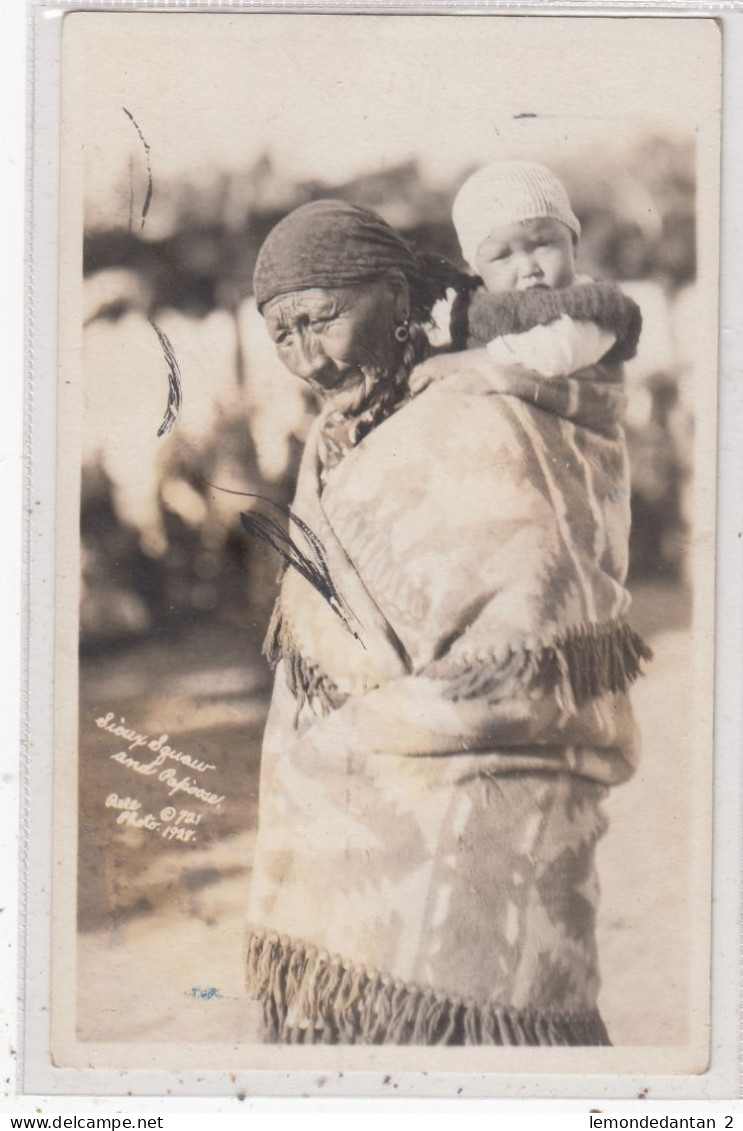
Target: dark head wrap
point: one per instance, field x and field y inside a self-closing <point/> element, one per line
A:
<point x="330" y="243"/>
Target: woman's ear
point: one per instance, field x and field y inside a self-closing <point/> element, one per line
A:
<point x="400" y="291"/>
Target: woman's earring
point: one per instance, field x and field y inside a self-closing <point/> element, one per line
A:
<point x="402" y="332"/>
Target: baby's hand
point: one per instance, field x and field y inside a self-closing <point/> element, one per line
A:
<point x="446" y="364"/>
<point x="430" y="370"/>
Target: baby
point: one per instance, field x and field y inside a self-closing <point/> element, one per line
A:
<point x="519" y="233"/>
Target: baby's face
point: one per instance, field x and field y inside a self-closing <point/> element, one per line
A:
<point x="530" y="253"/>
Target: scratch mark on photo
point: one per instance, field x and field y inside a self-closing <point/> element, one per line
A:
<point x="131" y="194"/>
<point x="313" y="566"/>
<point x="150" y="181"/>
<point x="175" y="389"/>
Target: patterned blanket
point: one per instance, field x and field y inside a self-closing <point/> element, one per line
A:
<point x="441" y="735"/>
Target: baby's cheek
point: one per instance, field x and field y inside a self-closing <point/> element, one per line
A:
<point x="497" y="279"/>
<point x="565" y="270"/>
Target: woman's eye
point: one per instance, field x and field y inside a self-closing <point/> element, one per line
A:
<point x="319" y="323"/>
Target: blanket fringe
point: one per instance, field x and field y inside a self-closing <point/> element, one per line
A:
<point x="587" y="662"/>
<point x="307" y="681"/>
<point x="310" y="997"/>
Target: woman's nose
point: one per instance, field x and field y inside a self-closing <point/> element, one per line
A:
<point x="308" y="359"/>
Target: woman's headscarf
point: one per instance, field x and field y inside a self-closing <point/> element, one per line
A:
<point x="330" y="243"/>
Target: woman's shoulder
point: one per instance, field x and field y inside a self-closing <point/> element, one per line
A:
<point x="460" y="370"/>
<point x="456" y="418"/>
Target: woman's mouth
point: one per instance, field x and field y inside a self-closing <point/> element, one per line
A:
<point x="344" y="390"/>
<point x="333" y="381"/>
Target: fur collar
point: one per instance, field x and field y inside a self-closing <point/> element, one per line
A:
<point x="478" y="316"/>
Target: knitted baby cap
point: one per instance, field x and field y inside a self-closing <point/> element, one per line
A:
<point x="504" y="193"/>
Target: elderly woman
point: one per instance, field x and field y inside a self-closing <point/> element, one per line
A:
<point x="452" y="664"/>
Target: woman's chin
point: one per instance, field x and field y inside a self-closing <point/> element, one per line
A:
<point x="350" y="396"/>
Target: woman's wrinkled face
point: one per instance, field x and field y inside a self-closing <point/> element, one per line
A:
<point x="530" y="253"/>
<point x="340" y="341"/>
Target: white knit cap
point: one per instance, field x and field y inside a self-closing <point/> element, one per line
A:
<point x="504" y="193"/>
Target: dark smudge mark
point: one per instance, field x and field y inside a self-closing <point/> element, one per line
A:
<point x="313" y="566"/>
<point x="175" y="393"/>
<point x="150" y="183"/>
<point x="517" y="116"/>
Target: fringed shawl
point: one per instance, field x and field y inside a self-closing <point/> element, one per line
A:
<point x="437" y="751"/>
<point x="355" y="1006"/>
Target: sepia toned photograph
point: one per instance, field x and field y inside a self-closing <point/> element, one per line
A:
<point x="387" y="370"/>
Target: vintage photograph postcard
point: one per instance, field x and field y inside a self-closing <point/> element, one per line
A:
<point x="385" y="543"/>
